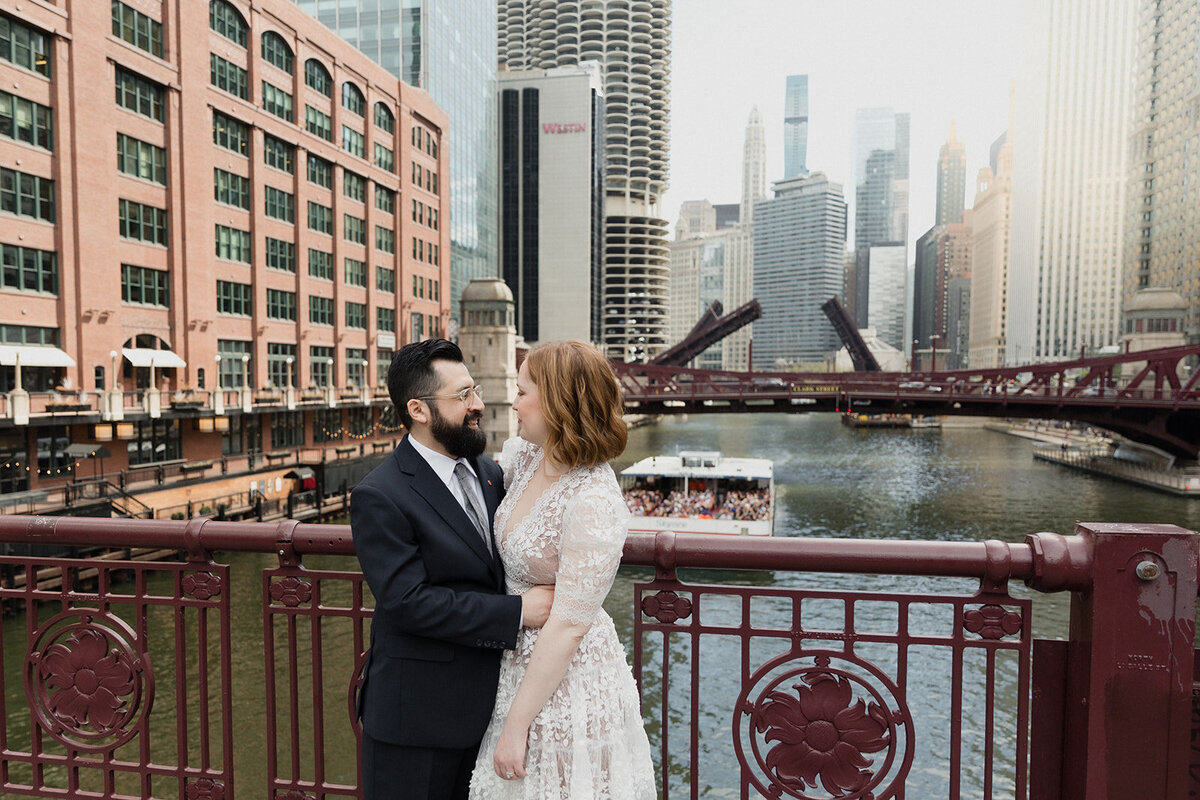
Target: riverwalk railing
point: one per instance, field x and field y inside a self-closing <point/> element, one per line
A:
<point x="127" y="665"/>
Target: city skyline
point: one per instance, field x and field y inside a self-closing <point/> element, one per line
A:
<point x="975" y="92"/>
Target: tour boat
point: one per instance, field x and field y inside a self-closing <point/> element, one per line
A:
<point x="701" y="492"/>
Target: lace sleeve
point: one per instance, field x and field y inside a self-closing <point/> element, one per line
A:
<point x="511" y="454"/>
<point x="595" y="523"/>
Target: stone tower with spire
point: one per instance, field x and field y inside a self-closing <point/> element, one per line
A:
<point x="754" y="167"/>
<point x="951" y="179"/>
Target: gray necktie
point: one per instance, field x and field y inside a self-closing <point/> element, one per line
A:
<point x="467" y="484"/>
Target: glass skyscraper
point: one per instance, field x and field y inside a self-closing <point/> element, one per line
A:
<point x="795" y="127"/>
<point x="448" y="48"/>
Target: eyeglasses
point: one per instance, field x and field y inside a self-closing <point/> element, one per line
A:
<point x="464" y="395"/>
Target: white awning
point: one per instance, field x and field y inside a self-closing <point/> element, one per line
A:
<point x="145" y="357"/>
<point x="34" y="356"/>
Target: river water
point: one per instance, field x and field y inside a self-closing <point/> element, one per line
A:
<point x="959" y="483"/>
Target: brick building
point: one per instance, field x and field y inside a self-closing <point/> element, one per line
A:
<point x="188" y="223"/>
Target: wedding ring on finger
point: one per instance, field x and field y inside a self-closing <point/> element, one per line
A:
<point x="508" y="776"/>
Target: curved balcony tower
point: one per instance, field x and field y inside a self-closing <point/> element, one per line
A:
<point x="631" y="40"/>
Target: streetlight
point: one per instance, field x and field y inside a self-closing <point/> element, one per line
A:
<point x="246" y="401"/>
<point x="218" y="399"/>
<point x="289" y="392"/>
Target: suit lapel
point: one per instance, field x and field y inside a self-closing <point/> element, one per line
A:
<point x="429" y="487"/>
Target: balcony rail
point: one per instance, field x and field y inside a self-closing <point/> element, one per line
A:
<point x="128" y="677"/>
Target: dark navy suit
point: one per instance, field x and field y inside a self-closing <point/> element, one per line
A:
<point x="441" y="620"/>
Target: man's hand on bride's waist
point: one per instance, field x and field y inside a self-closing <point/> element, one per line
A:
<point x="535" y="605"/>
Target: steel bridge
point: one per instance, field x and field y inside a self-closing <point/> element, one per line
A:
<point x="1139" y="395"/>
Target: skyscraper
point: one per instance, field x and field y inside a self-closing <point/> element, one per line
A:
<point x="880" y="195"/>
<point x="552" y="200"/>
<point x="799" y="250"/>
<point x="951" y="179"/>
<point x="448" y="48"/>
<point x="991" y="305"/>
<point x="795" y="126"/>
<point x="1162" y="245"/>
<point x="1071" y="132"/>
<point x="631" y="40"/>
<point x="754" y="166"/>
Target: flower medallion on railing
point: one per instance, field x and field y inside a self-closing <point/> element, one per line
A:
<point x="992" y="621"/>
<point x="204" y="789"/>
<point x="202" y="585"/>
<point x="85" y="677"/>
<point x="816" y="730"/>
<point x="291" y="591"/>
<point x="666" y="607"/>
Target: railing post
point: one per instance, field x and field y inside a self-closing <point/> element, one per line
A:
<point x="1127" y="730"/>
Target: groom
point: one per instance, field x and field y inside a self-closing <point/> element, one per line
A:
<point x="422" y="529"/>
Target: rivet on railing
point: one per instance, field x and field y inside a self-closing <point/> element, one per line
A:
<point x="1147" y="570"/>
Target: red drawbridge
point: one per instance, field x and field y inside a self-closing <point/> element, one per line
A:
<point x="1153" y="406"/>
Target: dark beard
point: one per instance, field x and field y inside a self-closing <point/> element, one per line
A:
<point x="459" y="440"/>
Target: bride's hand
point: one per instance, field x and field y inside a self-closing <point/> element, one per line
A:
<point x="509" y="758"/>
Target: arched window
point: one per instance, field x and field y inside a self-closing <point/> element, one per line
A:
<point x="384" y="118"/>
<point x="317" y="77"/>
<point x="275" y="51"/>
<point x="225" y="20"/>
<point x="353" y="99"/>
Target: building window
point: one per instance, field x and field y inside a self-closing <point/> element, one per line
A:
<point x="281" y="255"/>
<point x="356" y="315"/>
<point x="352" y="99"/>
<point x="136" y="28"/>
<point x="355" y="229"/>
<point x="141" y="159"/>
<point x="228" y="77"/>
<point x="385" y="319"/>
<point x="145" y="286"/>
<point x="385" y="279"/>
<point x="417" y="329"/>
<point x="320" y="310"/>
<point x="233" y="298"/>
<point x="278" y="154"/>
<point x="277" y="366"/>
<point x="352" y="141"/>
<point x="26" y="121"/>
<point x="385" y="239"/>
<point x="320" y="366"/>
<point x="383" y="361"/>
<point x="280" y="204"/>
<point x="233" y="371"/>
<point x="276" y="101"/>
<point x="225" y="20"/>
<point x="362" y="421"/>
<point x="142" y="222"/>
<point x="233" y="244"/>
<point x="287" y="429"/>
<point x="26" y="195"/>
<point x="231" y="134"/>
<point x="384" y="118"/>
<point x="230" y="189"/>
<point x="356" y="366"/>
<point x="155" y="440"/>
<point x="355" y="186"/>
<point x="327" y="425"/>
<point x="320" y="264"/>
<point x="276" y="52"/>
<point x="281" y="305"/>
<point x="318" y="123"/>
<point x="317" y="77"/>
<point x="139" y="95"/>
<point x="24" y="46"/>
<point x="320" y="171"/>
<point x="355" y="272"/>
<point x="385" y="199"/>
<point x="384" y="158"/>
<point x="320" y="218"/>
<point x="232" y="438"/>
<point x="27" y="269"/>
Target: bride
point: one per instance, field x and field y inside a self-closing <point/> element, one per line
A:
<point x="567" y="721"/>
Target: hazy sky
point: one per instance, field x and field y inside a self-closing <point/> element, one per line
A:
<point x="935" y="59"/>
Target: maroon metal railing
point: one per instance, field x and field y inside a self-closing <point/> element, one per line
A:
<point x="816" y="693"/>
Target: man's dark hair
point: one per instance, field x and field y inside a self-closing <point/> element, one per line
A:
<point x="412" y="375"/>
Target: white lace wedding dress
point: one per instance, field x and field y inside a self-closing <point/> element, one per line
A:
<point x="588" y="741"/>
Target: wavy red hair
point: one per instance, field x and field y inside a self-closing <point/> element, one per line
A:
<point x="580" y="401"/>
